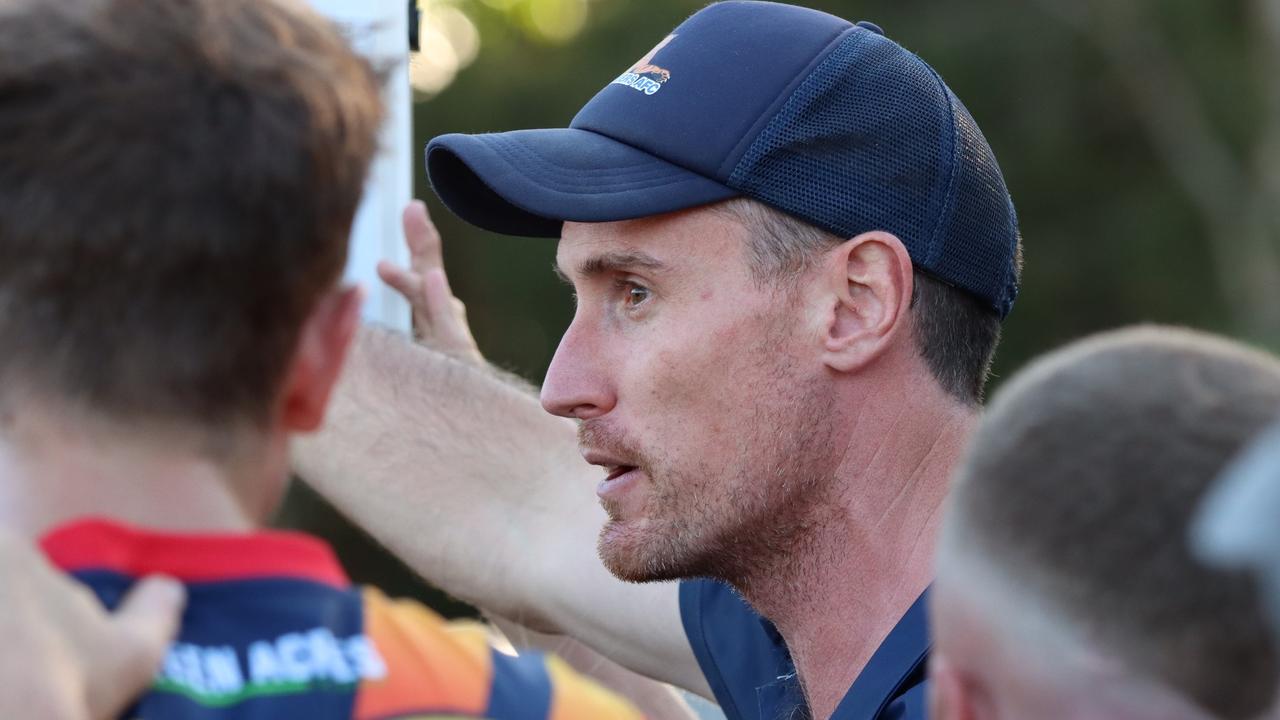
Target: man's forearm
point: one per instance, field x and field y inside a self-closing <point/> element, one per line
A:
<point x="456" y="469"/>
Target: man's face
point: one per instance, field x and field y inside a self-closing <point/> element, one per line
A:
<point x="698" y="394"/>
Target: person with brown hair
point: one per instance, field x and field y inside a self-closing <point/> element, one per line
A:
<point x="178" y="180"/>
<point x="1066" y="582"/>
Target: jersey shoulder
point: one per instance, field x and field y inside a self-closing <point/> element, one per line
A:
<point x="435" y="668"/>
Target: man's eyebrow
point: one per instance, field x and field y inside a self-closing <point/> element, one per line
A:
<point x="610" y="262"/>
<point x="618" y="262"/>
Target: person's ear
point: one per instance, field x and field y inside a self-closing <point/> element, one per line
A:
<point x="949" y="695"/>
<point x="318" y="358"/>
<point x="869" y="282"/>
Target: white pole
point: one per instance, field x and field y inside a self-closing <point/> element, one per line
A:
<point x="380" y="30"/>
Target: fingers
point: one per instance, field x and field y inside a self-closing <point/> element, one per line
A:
<point x="408" y="283"/>
<point x="439" y="318"/>
<point x="412" y="287"/>
<point x="440" y="302"/>
<point x="423" y="239"/>
<point x="448" y="317"/>
<point x="149" y="616"/>
<point x="142" y="629"/>
<point x="77" y="659"/>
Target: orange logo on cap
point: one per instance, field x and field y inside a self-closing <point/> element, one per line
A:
<point x="644" y="75"/>
<point x="645" y="66"/>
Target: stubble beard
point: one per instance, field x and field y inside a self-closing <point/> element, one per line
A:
<point x="731" y="522"/>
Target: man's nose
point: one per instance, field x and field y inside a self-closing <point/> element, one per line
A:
<point x="578" y="383"/>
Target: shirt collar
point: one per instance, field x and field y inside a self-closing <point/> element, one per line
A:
<point x="897" y="666"/>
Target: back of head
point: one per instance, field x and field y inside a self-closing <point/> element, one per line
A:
<point x="177" y="182"/>
<point x="1076" y="499"/>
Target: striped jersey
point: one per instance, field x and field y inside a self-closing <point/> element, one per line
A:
<point x="274" y="629"/>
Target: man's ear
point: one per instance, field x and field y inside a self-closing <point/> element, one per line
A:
<point x="870" y="280"/>
<point x="949" y="697"/>
<point x="318" y="359"/>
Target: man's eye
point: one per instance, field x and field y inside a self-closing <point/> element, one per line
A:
<point x="633" y="295"/>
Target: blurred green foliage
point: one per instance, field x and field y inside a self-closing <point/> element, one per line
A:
<point x="1140" y="140"/>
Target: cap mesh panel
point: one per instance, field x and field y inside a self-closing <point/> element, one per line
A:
<point x="981" y="235"/>
<point x="871" y="141"/>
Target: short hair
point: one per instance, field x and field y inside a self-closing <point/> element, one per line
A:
<point x="955" y="332"/>
<point x="1080" y="487"/>
<point x="178" y="179"/>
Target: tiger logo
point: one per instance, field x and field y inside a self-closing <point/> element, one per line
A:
<point x="645" y="66"/>
<point x="644" y="75"/>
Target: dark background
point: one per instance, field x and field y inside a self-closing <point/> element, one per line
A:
<point x="1140" y="140"/>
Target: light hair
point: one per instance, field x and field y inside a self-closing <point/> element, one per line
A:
<point x="1080" y="486"/>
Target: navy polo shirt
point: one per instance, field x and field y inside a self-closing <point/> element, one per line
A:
<point x="750" y="671"/>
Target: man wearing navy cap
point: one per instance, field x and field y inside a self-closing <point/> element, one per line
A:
<point x="792" y="250"/>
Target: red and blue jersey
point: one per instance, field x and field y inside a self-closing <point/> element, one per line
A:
<point x="274" y="629"/>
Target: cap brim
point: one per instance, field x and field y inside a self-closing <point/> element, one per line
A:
<point x="528" y="182"/>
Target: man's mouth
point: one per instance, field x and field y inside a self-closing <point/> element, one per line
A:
<point x="617" y="471"/>
<point x="614" y="466"/>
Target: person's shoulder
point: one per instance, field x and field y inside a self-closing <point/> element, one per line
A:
<point x="435" y="666"/>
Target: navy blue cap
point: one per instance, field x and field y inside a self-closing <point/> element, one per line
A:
<point x="828" y="121"/>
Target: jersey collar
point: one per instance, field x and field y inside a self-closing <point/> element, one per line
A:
<point x="104" y="545"/>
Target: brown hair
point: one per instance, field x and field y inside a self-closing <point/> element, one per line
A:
<point x="1080" y="487"/>
<point x="178" y="179"/>
<point x="955" y="332"/>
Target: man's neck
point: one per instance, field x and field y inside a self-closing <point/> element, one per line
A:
<point x="844" y="586"/>
<point x="58" y="466"/>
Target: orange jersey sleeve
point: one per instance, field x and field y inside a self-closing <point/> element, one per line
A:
<point x="440" y="669"/>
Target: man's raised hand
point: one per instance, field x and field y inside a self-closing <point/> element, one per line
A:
<point x="439" y="318"/>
